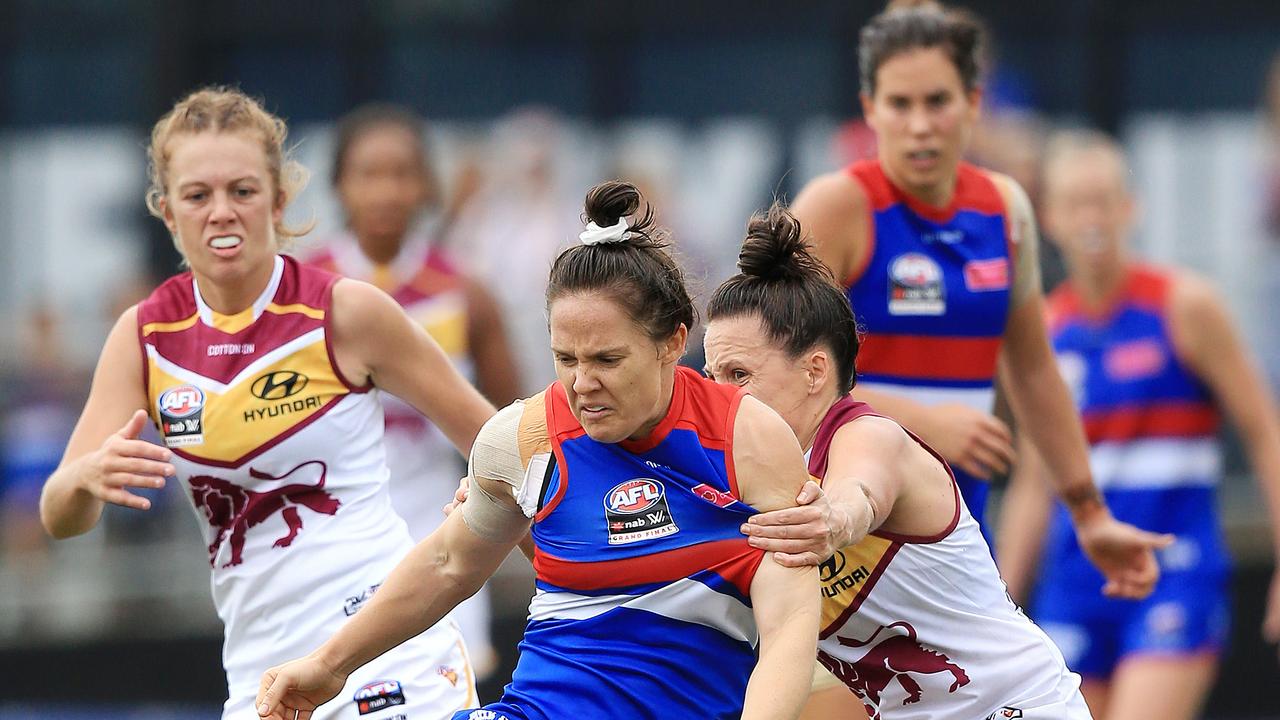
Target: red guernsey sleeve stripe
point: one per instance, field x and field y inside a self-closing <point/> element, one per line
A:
<point x="732" y="559"/>
<point x="1158" y="420"/>
<point x="929" y="358"/>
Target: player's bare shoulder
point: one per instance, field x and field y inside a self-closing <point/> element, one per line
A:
<point x="833" y="211"/>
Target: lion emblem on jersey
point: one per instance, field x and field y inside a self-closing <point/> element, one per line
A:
<point x="232" y="510"/>
<point x="894" y="658"/>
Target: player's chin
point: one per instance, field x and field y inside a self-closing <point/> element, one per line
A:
<point x="603" y="431"/>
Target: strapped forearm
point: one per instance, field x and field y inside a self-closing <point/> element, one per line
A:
<point x="853" y="511"/>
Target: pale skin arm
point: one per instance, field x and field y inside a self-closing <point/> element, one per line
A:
<point x="104" y="457"/>
<point x="375" y="341"/>
<point x="1208" y="342"/>
<point x="770" y="469"/>
<point x="1024" y="515"/>
<point x="877" y="476"/>
<point x="453" y="562"/>
<point x="833" y="210"/>
<point x="496" y="373"/>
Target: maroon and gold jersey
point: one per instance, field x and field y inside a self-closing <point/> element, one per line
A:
<point x="283" y="460"/>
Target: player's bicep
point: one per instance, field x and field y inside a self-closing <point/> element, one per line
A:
<point x="377" y="341"/>
<point x="497" y="475"/>
<point x="768" y="461"/>
<point x="1024" y="237"/>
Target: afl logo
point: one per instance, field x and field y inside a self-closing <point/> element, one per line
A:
<point x="634" y="496"/>
<point x="278" y="385"/>
<point x="181" y="401"/>
<point x="831" y="568"/>
<point x="915" y="270"/>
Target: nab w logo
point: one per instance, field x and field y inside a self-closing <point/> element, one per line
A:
<point x="278" y="385"/>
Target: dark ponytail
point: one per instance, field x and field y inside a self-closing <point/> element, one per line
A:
<point x="791" y="291"/>
<point x="637" y="271"/>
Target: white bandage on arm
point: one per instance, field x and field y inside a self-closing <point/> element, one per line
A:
<point x="495" y="456"/>
<point x="1026" y="270"/>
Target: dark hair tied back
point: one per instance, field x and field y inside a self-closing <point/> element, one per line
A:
<point x="609" y="202"/>
<point x="775" y="248"/>
<point x="792" y="292"/>
<point x="638" y="272"/>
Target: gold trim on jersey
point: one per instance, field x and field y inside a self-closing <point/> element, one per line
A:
<point x="168" y="327"/>
<point x="256" y="408"/>
<point x="313" y="313"/>
<point x="232" y="324"/>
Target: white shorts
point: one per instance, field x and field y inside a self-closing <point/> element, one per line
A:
<point x="429" y="677"/>
<point x="823" y="679"/>
<point x="1073" y="708"/>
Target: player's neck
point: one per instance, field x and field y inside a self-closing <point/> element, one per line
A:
<point x="379" y="250"/>
<point x="230" y="296"/>
<point x="1099" y="287"/>
<point x="808" y="417"/>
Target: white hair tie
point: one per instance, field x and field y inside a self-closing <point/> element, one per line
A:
<point x="595" y="235"/>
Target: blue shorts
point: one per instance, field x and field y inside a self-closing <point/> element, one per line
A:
<point x="1184" y="616"/>
<point x="492" y="711"/>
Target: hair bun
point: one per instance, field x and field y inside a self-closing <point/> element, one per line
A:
<point x="609" y="202"/>
<point x="775" y="249"/>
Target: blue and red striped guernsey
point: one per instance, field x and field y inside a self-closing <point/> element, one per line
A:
<point x="1151" y="423"/>
<point x="642" y="607"/>
<point x="932" y="296"/>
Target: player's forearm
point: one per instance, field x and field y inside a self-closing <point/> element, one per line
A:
<point x="66" y="508"/>
<point x="787" y="612"/>
<point x="853" y="513"/>
<point x="1262" y="443"/>
<point x="1045" y="413"/>
<point x="428" y="583"/>
<point x="781" y="681"/>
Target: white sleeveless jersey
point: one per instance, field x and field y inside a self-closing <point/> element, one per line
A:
<point x="425" y="466"/>
<point x="283" y="460"/>
<point x="923" y="628"/>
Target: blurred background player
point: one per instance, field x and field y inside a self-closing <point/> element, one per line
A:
<point x="939" y="260"/>
<point x="636" y="474"/>
<point x="894" y="629"/>
<point x="509" y="230"/>
<point x="1152" y="356"/>
<point x="258" y="372"/>
<point x="383" y="175"/>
